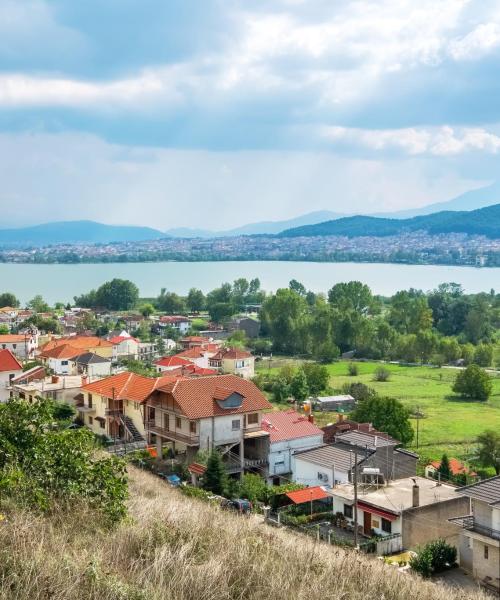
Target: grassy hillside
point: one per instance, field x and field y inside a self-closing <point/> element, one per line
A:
<point x="182" y="549"/>
<point x="485" y="221"/>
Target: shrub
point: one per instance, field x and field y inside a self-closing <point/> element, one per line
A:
<point x="473" y="383"/>
<point x="434" y="557"/>
<point x="381" y="374"/>
<point x="352" y="369"/>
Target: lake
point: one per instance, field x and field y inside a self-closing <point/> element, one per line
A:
<point x="62" y="282"/>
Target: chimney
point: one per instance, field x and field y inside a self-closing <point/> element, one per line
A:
<point x="415" y="494"/>
<point x="310" y="418"/>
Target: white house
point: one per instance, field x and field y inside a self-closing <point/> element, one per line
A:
<point x="10" y="368"/>
<point x="125" y="346"/>
<point x="289" y="432"/>
<point x="170" y="363"/>
<point x="92" y="365"/>
<point x="179" y="323"/>
<point x="60" y="359"/>
<point x="22" y="345"/>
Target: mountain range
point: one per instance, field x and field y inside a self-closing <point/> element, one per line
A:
<point x="484" y="221"/>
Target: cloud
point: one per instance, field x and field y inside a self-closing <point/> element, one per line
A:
<point x="441" y="141"/>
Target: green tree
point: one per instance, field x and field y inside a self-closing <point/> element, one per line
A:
<point x="253" y="487"/>
<point x="489" y="449"/>
<point x="215" y="477"/>
<point x="483" y="355"/>
<point x="38" y="304"/>
<point x="359" y="391"/>
<point x="434" y="557"/>
<point x="317" y="377"/>
<point x="297" y="287"/>
<point x="170" y="302"/>
<point x="386" y="414"/>
<point x="117" y="294"/>
<point x="352" y="295"/>
<point x="298" y="386"/>
<point x="8" y="299"/>
<point x="285" y="316"/>
<point x="444" y="468"/>
<point x="473" y="383"/>
<point x="220" y="311"/>
<point x="195" y="300"/>
<point x="4" y="329"/>
<point x="147" y="309"/>
<point x="280" y="389"/>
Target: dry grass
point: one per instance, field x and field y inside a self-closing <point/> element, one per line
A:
<point x="175" y="548"/>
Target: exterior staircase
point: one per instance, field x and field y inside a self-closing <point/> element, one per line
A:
<point x="132" y="430"/>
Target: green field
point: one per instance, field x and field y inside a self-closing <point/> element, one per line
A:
<point x="449" y="424"/>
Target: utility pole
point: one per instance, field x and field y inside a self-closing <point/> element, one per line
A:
<point x="356" y="497"/>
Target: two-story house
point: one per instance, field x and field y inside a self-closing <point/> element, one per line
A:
<point x="125" y="346"/>
<point x="223" y="412"/>
<point x="10" y="368"/>
<point x="59" y="359"/>
<point x="22" y="345"/>
<point x="113" y="406"/>
<point x="233" y="361"/>
<point x="177" y="322"/>
<point x="289" y="432"/>
<point x="479" y="549"/>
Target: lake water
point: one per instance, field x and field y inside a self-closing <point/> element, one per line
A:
<point x="62" y="282"/>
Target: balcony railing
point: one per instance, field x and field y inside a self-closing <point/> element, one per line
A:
<point x="176" y="436"/>
<point x="84" y="408"/>
<point x="469" y="522"/>
<point x="113" y="412"/>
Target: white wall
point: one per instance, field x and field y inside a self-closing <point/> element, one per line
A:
<point x="280" y="460"/>
<point x="5" y="377"/>
<point x="223" y="432"/>
<point x="58" y="366"/>
<point x="307" y="473"/>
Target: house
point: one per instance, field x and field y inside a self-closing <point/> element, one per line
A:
<point x="113" y="406"/>
<point x="250" y="326"/>
<point x="124" y="346"/>
<point x="10" y="368"/>
<point x="457" y="469"/>
<point x="61" y="388"/>
<point x="92" y="365"/>
<point x="342" y="403"/>
<point x="193" y="341"/>
<point x="288" y="432"/>
<point x="83" y="343"/>
<point x="168" y="363"/>
<point x="60" y="359"/>
<point x="343" y="425"/>
<point x="22" y="345"/>
<point x="233" y="361"/>
<point x="147" y="351"/>
<point x="479" y="546"/>
<point x="199" y="355"/>
<point x="179" y="323"/>
<point x="204" y="413"/>
<point x="409" y="512"/>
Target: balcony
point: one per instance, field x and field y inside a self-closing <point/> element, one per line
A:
<point x="175" y="436"/>
<point x="84" y="408"/>
<point x="253" y="431"/>
<point x="469" y="523"/>
<point x="113" y="412"/>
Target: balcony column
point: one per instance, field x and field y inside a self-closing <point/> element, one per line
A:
<point x="242" y="455"/>
<point x="159" y="448"/>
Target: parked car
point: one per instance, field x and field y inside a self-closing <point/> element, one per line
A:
<point x="240" y="505"/>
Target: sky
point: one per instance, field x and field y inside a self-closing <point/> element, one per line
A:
<point x="217" y="113"/>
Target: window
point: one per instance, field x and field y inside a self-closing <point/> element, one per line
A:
<point x="178" y="423"/>
<point x="375" y="523"/>
<point x="102" y="423"/>
<point x="280" y="460"/>
<point x="348" y="511"/>
<point x="166" y="421"/>
<point x="235" y="424"/>
<point x="64" y="363"/>
<point x="91" y="420"/>
<point x="386" y="526"/>
<point x="192" y="426"/>
<point x="253" y="419"/>
<point x="486" y="552"/>
<point x="90" y="401"/>
<point x="14" y="346"/>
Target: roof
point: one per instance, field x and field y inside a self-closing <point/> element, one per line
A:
<point x="397" y="495"/>
<point x="307" y="495"/>
<point x="127" y="386"/>
<point x="456" y="467"/>
<point x="197" y="469"/>
<point x="12" y="338"/>
<point x="61" y="352"/>
<point x="78" y="341"/>
<point x="174" y="319"/>
<point x="339" y="398"/>
<point x="288" y="425"/>
<point x="338" y="456"/>
<point x="118" y="339"/>
<point x="231" y="354"/>
<point x="8" y="362"/>
<point x="88" y="358"/>
<point x="487" y="490"/>
<point x="33" y="373"/>
<point x="198" y="351"/>
<point x="172" y="361"/>
<point x="365" y="440"/>
<point x="195" y="397"/>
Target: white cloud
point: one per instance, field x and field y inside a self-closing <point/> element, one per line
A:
<point x="438" y="141"/>
<point x="480" y="41"/>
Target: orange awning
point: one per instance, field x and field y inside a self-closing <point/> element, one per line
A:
<point x="307" y="495"/>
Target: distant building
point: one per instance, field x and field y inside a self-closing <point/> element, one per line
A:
<point x="343" y="403"/>
<point x="10" y="368"/>
<point x="233" y="361"/>
<point x="250" y="326"/>
<point x="22" y="345"/>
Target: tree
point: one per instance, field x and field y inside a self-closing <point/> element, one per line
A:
<point x="8" y="299"/>
<point x="253" y="487"/>
<point x="434" y="557"/>
<point x="359" y="391"/>
<point x="220" y="311"/>
<point x="444" y="468"/>
<point x="215" y="477"/>
<point x="170" y="302"/>
<point x="38" y="304"/>
<point x="317" y="377"/>
<point x="117" y="294"/>
<point x="4" y="329"/>
<point x="473" y="383"/>
<point x="489" y="449"/>
<point x="285" y="316"/>
<point x="352" y="295"/>
<point x="44" y="465"/>
<point x="386" y="414"/>
<point x="280" y="389"/>
<point x="483" y="355"/>
<point x="147" y="309"/>
<point x="297" y="287"/>
<point x="298" y="385"/>
<point x="195" y="300"/>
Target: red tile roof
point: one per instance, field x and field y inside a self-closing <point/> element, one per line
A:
<point x="173" y="361"/>
<point x="195" y="397"/>
<point x="127" y="386"/>
<point x="12" y="338"/>
<point x="231" y="354"/>
<point x="63" y="351"/>
<point x="118" y="339"/>
<point x="8" y="362"/>
<point x="456" y="467"/>
<point x="197" y="469"/>
<point x="78" y="341"/>
<point x="288" y="425"/>
<point x="174" y="319"/>
<point x="307" y="495"/>
<point x="197" y="352"/>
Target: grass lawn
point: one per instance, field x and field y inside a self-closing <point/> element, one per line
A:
<point x="450" y="424"/>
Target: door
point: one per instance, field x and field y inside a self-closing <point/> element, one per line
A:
<point x="367" y="523"/>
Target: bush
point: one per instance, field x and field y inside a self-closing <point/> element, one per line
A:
<point x="473" y="383"/>
<point x="434" y="557"/>
<point x="352" y="369"/>
<point x="381" y="374"/>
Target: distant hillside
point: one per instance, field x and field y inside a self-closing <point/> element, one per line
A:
<point x="263" y="227"/>
<point x="68" y="232"/>
<point x="485" y="221"/>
